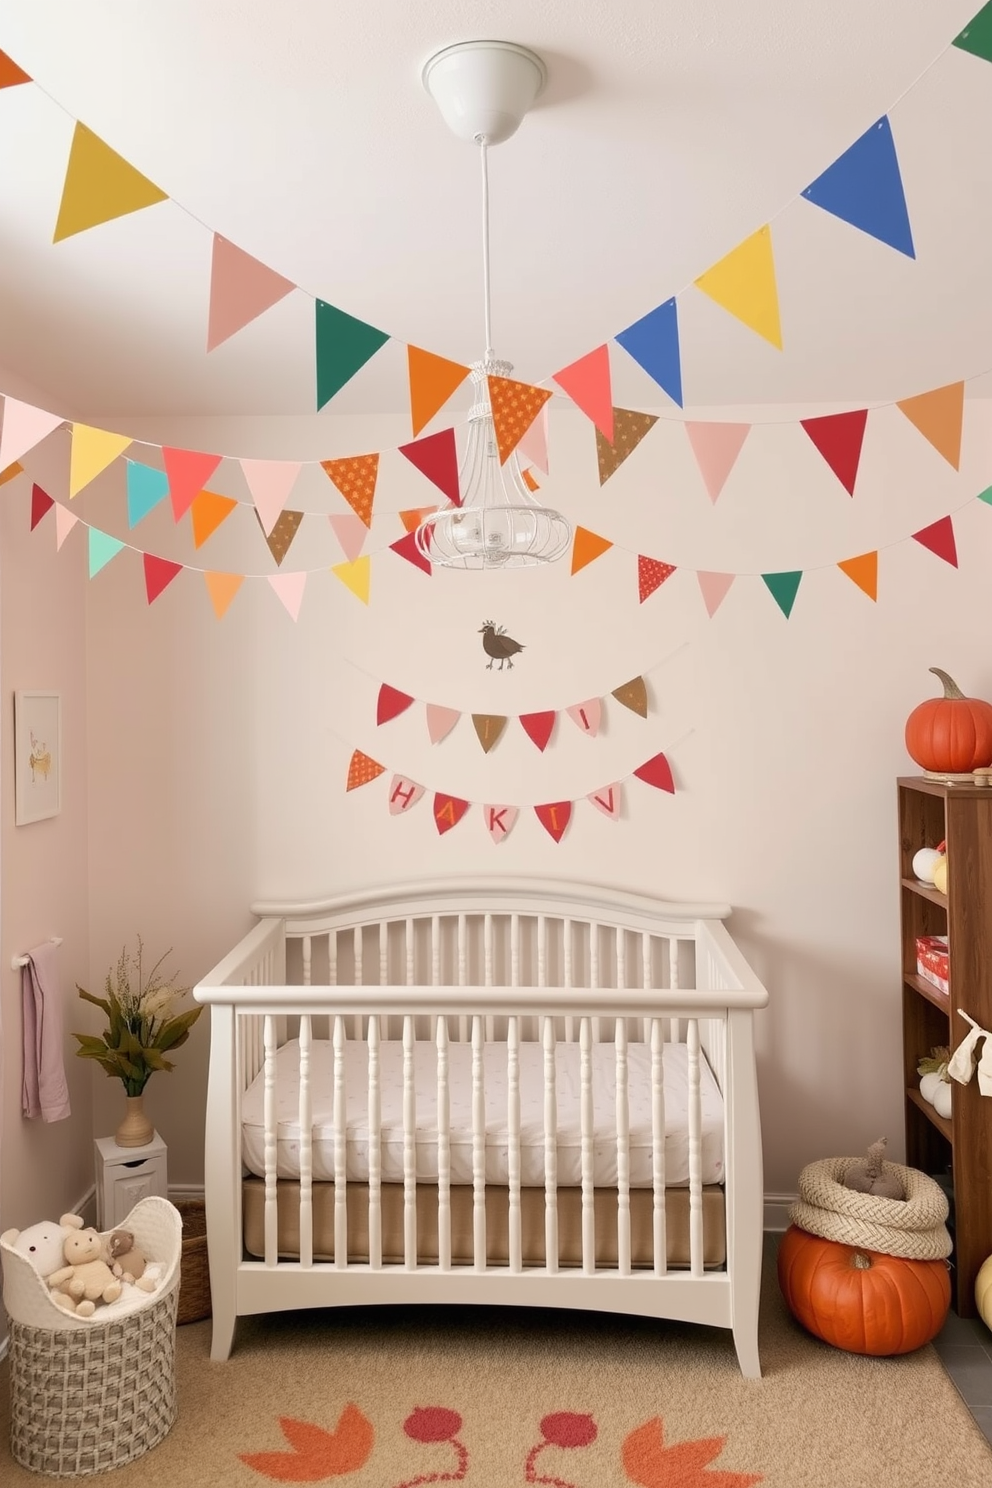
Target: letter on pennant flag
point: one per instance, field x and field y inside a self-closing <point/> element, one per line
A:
<point x="289" y="587"/>
<point x="515" y="406"/>
<point x="633" y="695"/>
<point x="188" y="472"/>
<point x="863" y="571"/>
<point x="282" y="534"/>
<point x="159" y="574"/>
<point x="92" y="451"/>
<point x="356" y="576"/>
<point x="499" y="821"/>
<point x="653" y="342"/>
<point x="361" y="769"/>
<point x="938" y="415"/>
<point x="586" y="546"/>
<point x="437" y="458"/>
<point x="539" y="727"/>
<point x="608" y="800"/>
<point x="839" y="437"/>
<point x="407" y="548"/>
<point x="440" y="721"/>
<point x="10" y="73"/>
<point x="489" y="727"/>
<point x="651" y="574"/>
<point x="783" y="588"/>
<point x="714" y="588"/>
<point x="241" y="289"/>
<point x="629" y="428"/>
<point x="863" y="187"/>
<point x="554" y="818"/>
<point x="102" y="548"/>
<point x="65" y="520"/>
<point x="939" y="538"/>
<point x="657" y="772"/>
<point x="587" y="382"/>
<point x="448" y="812"/>
<point x="403" y="794"/>
<point x="99" y="186"/>
<point x="743" y="283"/>
<point x="391" y="703"/>
<point x="41" y="505"/>
<point x="146" y="487"/>
<point x="433" y="379"/>
<point x="716" y="447"/>
<point x="587" y="716"/>
<point x="222" y="587"/>
<point x="977" y="35"/>
<point x="24" y="426"/>
<point x="208" y="511"/>
<point x="343" y="346"/>
<point x="270" y="483"/>
<point x="350" y="532"/>
<point x="355" y="477"/>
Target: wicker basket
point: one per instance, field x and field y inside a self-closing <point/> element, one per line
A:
<point x="194" y="1283"/>
<point x="912" y="1227"/>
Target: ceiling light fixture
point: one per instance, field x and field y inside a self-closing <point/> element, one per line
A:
<point x="484" y="89"/>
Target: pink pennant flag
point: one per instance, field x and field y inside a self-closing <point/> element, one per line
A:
<point x="534" y="445"/>
<point x="436" y="457"/>
<point x="499" y="821"/>
<point x="587" y="716"/>
<point x="939" y="538"/>
<point x="289" y="587"/>
<point x="587" y="382"/>
<point x="716" y="447"/>
<point x="440" y="721"/>
<point x="714" y="587"/>
<point x="351" y="533"/>
<point x="65" y="520"/>
<point x="241" y="288"/>
<point x="24" y="426"/>
<point x="403" y="794"/>
<point x="270" y="483"/>
<point x="188" y="472"/>
<point x="608" y="799"/>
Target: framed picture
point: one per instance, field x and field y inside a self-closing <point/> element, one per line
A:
<point x="37" y="756"/>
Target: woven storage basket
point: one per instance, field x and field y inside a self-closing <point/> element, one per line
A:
<point x="90" y="1394"/>
<point x="913" y="1227"/>
<point x="194" y="1284"/>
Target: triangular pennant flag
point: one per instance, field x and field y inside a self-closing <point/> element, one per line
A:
<point x="554" y="817"/>
<point x="99" y="186"/>
<point x="391" y="703"/>
<point x="350" y="532"/>
<point x="499" y="821"/>
<point x="629" y="428"/>
<point x="403" y="794"/>
<point x="743" y="283"/>
<point x="864" y="188"/>
<point x="222" y="587"/>
<point x="657" y="772"/>
<point x="92" y="451"/>
<point x="783" y="588"/>
<point x="488" y="727"/>
<point x="716" y="447"/>
<point x="938" y="416"/>
<point x="714" y="587"/>
<point x="515" y="406"/>
<point x="413" y="517"/>
<point x="343" y="346"/>
<point x="608" y="799"/>
<point x="146" y="487"/>
<point x="587" y="716"/>
<point x="633" y="695"/>
<point x="448" y="812"/>
<point x="407" y="548"/>
<point x="440" y="721"/>
<point x="986" y="495"/>
<point x="208" y="511"/>
<point x="188" y="472"/>
<point x="241" y="289"/>
<point x="538" y="727"/>
<point x="433" y="379"/>
<point x="651" y="574"/>
<point x="587" y="382"/>
<point x="356" y="576"/>
<point x="24" y="426"/>
<point x="159" y="573"/>
<point x="41" y="504"/>
<point x="863" y="570"/>
<point x="533" y="445"/>
<point x="939" y="538"/>
<point x="530" y="480"/>
<point x="977" y="35"/>
<point x="361" y="769"/>
<point x="282" y="534"/>
<point x="270" y="483"/>
<point x="437" y="458"/>
<point x="10" y="73"/>
<point x="102" y="548"/>
<point x="289" y="587"/>
<point x="653" y="342"/>
<point x="839" y="437"/>
<point x="65" y="520"/>
<point x="11" y="472"/>
<point x="586" y="546"/>
<point x="355" y="477"/>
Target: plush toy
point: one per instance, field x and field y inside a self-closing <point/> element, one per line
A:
<point x="126" y="1261"/>
<point x="85" y="1279"/>
<point x="42" y="1244"/>
<point x="871" y="1175"/>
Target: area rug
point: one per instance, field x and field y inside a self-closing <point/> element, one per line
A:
<point x="494" y="1398"/>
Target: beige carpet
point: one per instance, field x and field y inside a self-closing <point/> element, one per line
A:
<point x="499" y="1398"/>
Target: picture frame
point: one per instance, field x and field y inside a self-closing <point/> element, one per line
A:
<point x="37" y="756"/>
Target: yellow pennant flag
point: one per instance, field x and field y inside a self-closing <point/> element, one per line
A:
<point x="222" y="587"/>
<point x="863" y="571"/>
<point x="92" y="451"/>
<point x="938" y="416"/>
<point x="744" y="284"/>
<point x="356" y="576"/>
<point x="586" y="546"/>
<point x="99" y="186"/>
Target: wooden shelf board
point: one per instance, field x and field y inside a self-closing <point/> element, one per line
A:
<point x="925" y="891"/>
<point x="929" y="991"/>
<point x="942" y="1123"/>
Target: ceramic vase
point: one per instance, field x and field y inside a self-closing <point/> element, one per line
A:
<point x="135" y="1130"/>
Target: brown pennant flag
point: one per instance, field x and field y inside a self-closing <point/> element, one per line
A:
<point x="355" y="478"/>
<point x="629" y="428"/>
<point x="282" y="533"/>
<point x="488" y="726"/>
<point x="515" y="406"/>
<point x="361" y="769"/>
<point x="633" y="695"/>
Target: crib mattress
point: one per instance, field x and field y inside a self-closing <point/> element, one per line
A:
<point x="532" y="1147"/>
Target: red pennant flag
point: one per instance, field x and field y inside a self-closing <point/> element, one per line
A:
<point x="538" y="727"/>
<point x="437" y="458"/>
<point x="188" y="472"/>
<point x="554" y="817"/>
<point x="657" y="772"/>
<point x="159" y="574"/>
<point x="587" y="383"/>
<point x="41" y="503"/>
<point x="448" y="812"/>
<point x="651" y="574"/>
<point x="838" y="437"/>
<point x="391" y="703"/>
<point x="407" y="548"/>
<point x="939" y="538"/>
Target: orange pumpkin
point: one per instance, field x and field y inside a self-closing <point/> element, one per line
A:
<point x="951" y="735"/>
<point x="861" y="1300"/>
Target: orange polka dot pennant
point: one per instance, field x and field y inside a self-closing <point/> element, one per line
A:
<point x="362" y="769"/>
<point x="515" y="406"/>
<point x="355" y="478"/>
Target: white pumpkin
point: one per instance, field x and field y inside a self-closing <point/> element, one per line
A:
<point x="929" y="1085"/>
<point x="924" y="862"/>
<point x="983" y="1292"/>
<point x="942" y="1099"/>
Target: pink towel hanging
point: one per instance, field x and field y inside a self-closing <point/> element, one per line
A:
<point x="44" y="1091"/>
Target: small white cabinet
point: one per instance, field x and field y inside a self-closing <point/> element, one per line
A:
<point x="126" y="1174"/>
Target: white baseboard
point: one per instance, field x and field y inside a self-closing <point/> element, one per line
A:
<point x="777" y="1208"/>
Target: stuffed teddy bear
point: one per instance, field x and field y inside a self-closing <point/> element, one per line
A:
<point x="85" y="1279"/>
<point x="126" y="1261"/>
<point x="42" y="1244"/>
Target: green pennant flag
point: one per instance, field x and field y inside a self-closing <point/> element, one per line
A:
<point x="986" y="495"/>
<point x="344" y="345"/>
<point x="977" y="35"/>
<point x="783" y="588"/>
<point x="103" y="547"/>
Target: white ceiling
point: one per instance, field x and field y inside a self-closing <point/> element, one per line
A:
<point x="669" y="131"/>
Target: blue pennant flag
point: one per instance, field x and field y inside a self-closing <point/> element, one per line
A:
<point x="864" y="187"/>
<point x="653" y="342"/>
<point x="146" y="487"/>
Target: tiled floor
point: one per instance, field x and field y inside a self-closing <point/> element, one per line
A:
<point x="965" y="1349"/>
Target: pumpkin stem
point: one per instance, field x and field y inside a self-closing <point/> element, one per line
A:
<point x="860" y="1262"/>
<point x="951" y="688"/>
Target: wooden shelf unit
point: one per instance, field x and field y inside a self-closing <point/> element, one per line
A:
<point x="960" y="815"/>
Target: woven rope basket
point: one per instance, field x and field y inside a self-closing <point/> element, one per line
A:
<point x="194" y="1285"/>
<point x="913" y="1228"/>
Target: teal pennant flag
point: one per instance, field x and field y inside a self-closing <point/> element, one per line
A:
<point x="344" y="345"/>
<point x="146" y="487"/>
<point x="103" y="547"/>
<point x="783" y="588"/>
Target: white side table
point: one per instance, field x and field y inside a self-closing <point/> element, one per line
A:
<point x="126" y="1174"/>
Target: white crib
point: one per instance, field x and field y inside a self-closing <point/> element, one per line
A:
<point x="525" y="1092"/>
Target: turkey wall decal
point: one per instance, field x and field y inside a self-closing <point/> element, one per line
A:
<point x="498" y="646"/>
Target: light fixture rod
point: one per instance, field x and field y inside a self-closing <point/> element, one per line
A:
<point x="486" y="286"/>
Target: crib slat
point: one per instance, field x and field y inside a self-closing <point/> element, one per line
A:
<point x="646" y="978"/>
<point x="332" y="958"/>
<point x="462" y="971"/>
<point x="357" y="940"/>
<point x="550" y="1149"/>
<point x="623" y="1150"/>
<point x="408" y="946"/>
<point x="586" y="1128"/>
<point x="658" y="1148"/>
<point x="542" y="951"/>
<point x="375" y="1147"/>
<point x="487" y="946"/>
<point x="514" y="950"/>
<point x="594" y="973"/>
<point x="621" y="947"/>
<point x="435" y="950"/>
<point x="566" y="931"/>
<point x="513" y="1137"/>
<point x="478" y="1148"/>
<point x="695" y="1152"/>
<point x="306" y="1146"/>
<point x="340" y="1150"/>
<point x="409" y="1149"/>
<point x="383" y="953"/>
<point x="307" y="950"/>
<point x="270" y="1114"/>
<point x="443" y="1148"/>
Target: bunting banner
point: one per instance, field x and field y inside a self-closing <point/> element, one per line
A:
<point x="488" y="727"/>
<point x="270" y="483"/>
<point x="587" y="546"/>
<point x="391" y="703"/>
<point x="863" y="571"/>
<point x="587" y="382"/>
<point x="407" y="548"/>
<point x="500" y="821"/>
<point x="939" y="416"/>
<point x="102" y="548"/>
<point x="839" y="437"/>
<point x="92" y="451"/>
<point x="241" y="289"/>
<point x="65" y="520"/>
<point x="440" y="721"/>
<point x="539" y="727"/>
<point x="863" y="187"/>
<point x="448" y="811"/>
<point x="146" y="488"/>
<point x="939" y="538"/>
<point x="188" y="472"/>
<point x="743" y="283"/>
<point x="608" y="799"/>
<point x="653" y="342"/>
<point x="11" y="472"/>
<point x="716" y="447"/>
<point x="437" y="459"/>
<point x="99" y="186"/>
<point x="356" y="576"/>
<point x="651" y="574"/>
<point x="433" y="380"/>
<point x="412" y="518"/>
<point x="403" y="794"/>
<point x="714" y="588"/>
<point x="783" y="587"/>
<point x="629" y="428"/>
<point x="343" y="346"/>
<point x="975" y="38"/>
<point x="533" y="445"/>
<point x="587" y="716"/>
<point x="362" y="769"/>
<point x="633" y="695"/>
<point x="515" y="406"/>
<point x="355" y="477"/>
